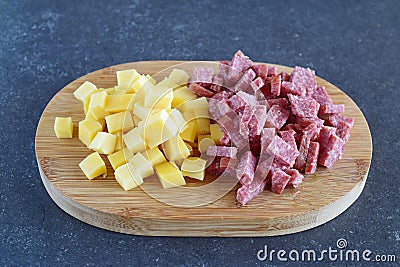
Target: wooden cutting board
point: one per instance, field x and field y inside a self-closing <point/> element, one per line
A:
<point x="102" y="202"/>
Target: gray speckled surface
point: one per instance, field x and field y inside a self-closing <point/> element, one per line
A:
<point x="46" y="44"/>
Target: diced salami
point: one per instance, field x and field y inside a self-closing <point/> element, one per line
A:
<point x="202" y="75"/>
<point x="244" y="83"/>
<point x="231" y="126"/>
<point x="311" y="131"/>
<point x="335" y="118"/>
<point x="258" y="120"/>
<point x="244" y="194"/>
<point x="303" y="151"/>
<point x="229" y="165"/>
<point x="246" y="167"/>
<point x="331" y="109"/>
<point x="214" y="167"/>
<point x="283" y="152"/>
<point x="200" y="90"/>
<point x="279" y="181"/>
<point x="303" y="106"/>
<point x="222" y="151"/>
<point x="285" y="76"/>
<point x="223" y="95"/>
<point x="261" y="70"/>
<point x="295" y="177"/>
<point x="218" y="109"/>
<point x="224" y="67"/>
<point x="291" y="88"/>
<point x="321" y="96"/>
<point x="266" y="157"/>
<point x="343" y="130"/>
<point x="249" y="99"/>
<point x="283" y="102"/>
<point x="332" y="150"/>
<point x="237" y="103"/>
<point x="312" y="158"/>
<point x="304" y="78"/>
<point x="225" y="140"/>
<point x="305" y="121"/>
<point x="240" y="63"/>
<point x="272" y="71"/>
<point x="276" y="117"/>
<point x="288" y="137"/>
<point x="216" y="83"/>
<point x="276" y="85"/>
<point x="256" y="84"/>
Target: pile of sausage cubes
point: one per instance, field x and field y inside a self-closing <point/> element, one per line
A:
<point x="276" y="125"/>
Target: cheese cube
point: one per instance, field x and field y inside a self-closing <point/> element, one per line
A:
<point x="118" y="103"/>
<point x="169" y="175"/>
<point x="85" y="90"/>
<point x="151" y="79"/>
<point x="139" y="83"/>
<point x="97" y="113"/>
<point x="63" y="127"/>
<point x="216" y="133"/>
<point x="119" y="144"/>
<point x="127" y="77"/>
<point x="119" y="158"/>
<point x="88" y="129"/>
<point x="159" y="129"/>
<point x="127" y="177"/>
<point x="192" y="105"/>
<point x="123" y="89"/>
<point x="176" y="116"/>
<point x="134" y="141"/>
<point x="158" y="97"/>
<point x="155" y="156"/>
<point x="205" y="143"/>
<point x="195" y="175"/>
<point x="91" y="116"/>
<point x="86" y="103"/>
<point x="141" y="165"/>
<point x="190" y="148"/>
<point x="98" y="100"/>
<point x="189" y="133"/>
<point x="203" y="126"/>
<point x="141" y="112"/>
<point x="193" y="164"/>
<point x="179" y="76"/>
<point x="181" y="95"/>
<point x="121" y="121"/>
<point x="167" y="83"/>
<point x="103" y="142"/>
<point x="93" y="166"/>
<point x="176" y="149"/>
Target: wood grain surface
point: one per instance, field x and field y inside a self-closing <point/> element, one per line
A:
<point x="150" y="210"/>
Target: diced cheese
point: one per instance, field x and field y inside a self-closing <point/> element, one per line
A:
<point x="103" y="142"/>
<point x="86" y="103"/>
<point x="118" y="103"/>
<point x="119" y="144"/>
<point x="63" y="127"/>
<point x="176" y="116"/>
<point x="216" y="133"/>
<point x="119" y="158"/>
<point x="127" y="177"/>
<point x="85" y="90"/>
<point x="203" y="121"/>
<point x="123" y="88"/>
<point x="189" y="132"/>
<point x="179" y="76"/>
<point x="97" y="113"/>
<point x="192" y="105"/>
<point x="176" y="149"/>
<point x="169" y="175"/>
<point x="205" y="143"/>
<point x="121" y="121"/>
<point x="141" y="165"/>
<point x="151" y="79"/>
<point x="167" y="83"/>
<point x="158" y="97"/>
<point x="193" y="164"/>
<point x="98" y="100"/>
<point x="155" y="156"/>
<point x="195" y="175"/>
<point x="88" y="129"/>
<point x="127" y="76"/>
<point x="139" y="83"/>
<point x="181" y="95"/>
<point x="134" y="140"/>
<point x="190" y="148"/>
<point x="159" y="129"/>
<point x="93" y="166"/>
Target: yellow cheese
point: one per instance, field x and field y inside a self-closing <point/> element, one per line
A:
<point x="85" y="90"/>
<point x="142" y="112"/>
<point x="136" y="119"/>
<point x="118" y="103"/>
<point x="139" y="83"/>
<point x="119" y="158"/>
<point x="190" y="148"/>
<point x="169" y="175"/>
<point x="119" y="144"/>
<point x="98" y="100"/>
<point x="167" y="83"/>
<point x="123" y="89"/>
<point x="121" y="121"/>
<point x="86" y="103"/>
<point x="192" y="105"/>
<point x="193" y="164"/>
<point x="134" y="141"/>
<point x="158" y="97"/>
<point x="151" y="79"/>
<point x="127" y="76"/>
<point x="205" y="143"/>
<point x="63" y="127"/>
<point x="216" y="133"/>
<point x="103" y="142"/>
<point x="203" y="121"/>
<point x="179" y="76"/>
<point x="88" y="129"/>
<point x="127" y="177"/>
<point x="97" y="113"/>
<point x="176" y="116"/>
<point x="189" y="132"/>
<point x="141" y="165"/>
<point x="155" y="156"/>
<point x="93" y="166"/>
<point x="181" y="95"/>
<point x="196" y="175"/>
<point x="159" y="129"/>
<point x="176" y="149"/>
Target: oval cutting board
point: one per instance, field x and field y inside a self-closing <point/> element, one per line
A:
<point x="102" y="202"/>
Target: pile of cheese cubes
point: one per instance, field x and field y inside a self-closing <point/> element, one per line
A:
<point x="144" y="126"/>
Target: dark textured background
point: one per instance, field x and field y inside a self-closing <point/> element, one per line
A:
<point x="46" y="44"/>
